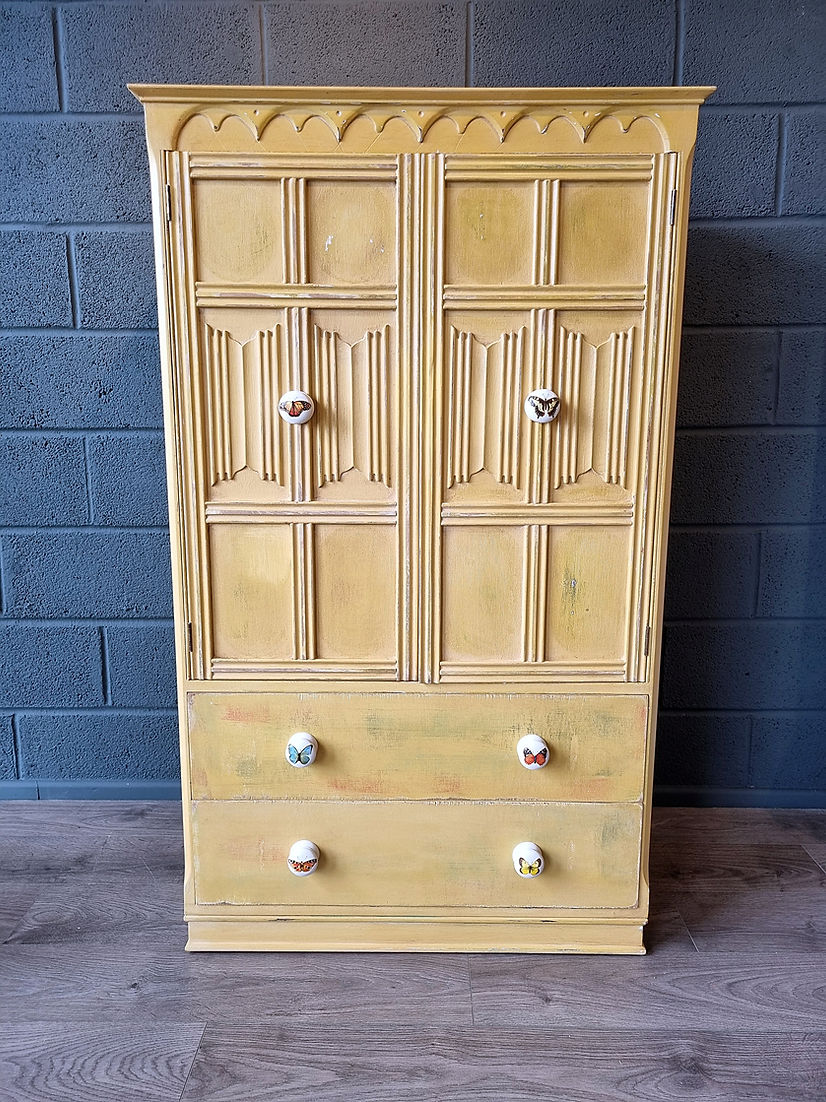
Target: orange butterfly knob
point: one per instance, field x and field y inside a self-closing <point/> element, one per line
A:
<point x="302" y="860"/>
<point x="528" y="859"/>
<point x="542" y="406"/>
<point x="295" y="407"/>
<point x="532" y="751"/>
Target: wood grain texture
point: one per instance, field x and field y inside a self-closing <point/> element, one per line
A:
<point x="103" y="908"/>
<point x="733" y="868"/>
<point x="57" y="1062"/>
<point x="758" y="991"/>
<point x="737" y="826"/>
<point x="94" y="982"/>
<point x="248" y="1062"/>
<point x="777" y="919"/>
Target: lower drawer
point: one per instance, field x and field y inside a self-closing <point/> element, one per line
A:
<point x="417" y="746"/>
<point x="416" y="854"/>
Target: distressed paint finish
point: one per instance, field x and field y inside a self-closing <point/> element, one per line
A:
<point x="421" y="574"/>
<point x="445" y="745"/>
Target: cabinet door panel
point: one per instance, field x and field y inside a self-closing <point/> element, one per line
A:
<point x="354" y="592"/>
<point x="587" y="594"/>
<point x="252" y="591"/>
<point x="483" y="587"/>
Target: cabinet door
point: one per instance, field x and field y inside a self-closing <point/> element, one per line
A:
<point x="289" y="268"/>
<point x="552" y="277"/>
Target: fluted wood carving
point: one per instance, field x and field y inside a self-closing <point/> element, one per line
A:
<point x="352" y="394"/>
<point x="484" y="388"/>
<point x="593" y="383"/>
<point x="243" y="382"/>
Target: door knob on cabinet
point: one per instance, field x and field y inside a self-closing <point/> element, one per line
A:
<point x="302" y="860"/>
<point x="532" y="751"/>
<point x="295" y="407"/>
<point x="542" y="406"/>
<point x="301" y="750"/>
<point x="528" y="859"/>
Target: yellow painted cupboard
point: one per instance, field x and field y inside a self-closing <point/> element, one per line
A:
<point x="420" y="364"/>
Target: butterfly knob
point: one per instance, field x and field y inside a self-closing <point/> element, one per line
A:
<point x="295" y="407"/>
<point x="532" y="752"/>
<point x="542" y="406"/>
<point x="301" y="750"/>
<point x="528" y="859"/>
<point x="302" y="860"/>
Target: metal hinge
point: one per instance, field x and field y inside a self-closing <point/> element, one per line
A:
<point x="646" y="647"/>
<point x="169" y="202"/>
<point x="672" y="210"/>
<point x="189" y="636"/>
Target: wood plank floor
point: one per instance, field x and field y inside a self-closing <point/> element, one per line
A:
<point x="98" y="1001"/>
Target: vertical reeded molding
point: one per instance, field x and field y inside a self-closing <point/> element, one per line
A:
<point x="407" y="407"/>
<point x="429" y="307"/>
<point x="192" y="371"/>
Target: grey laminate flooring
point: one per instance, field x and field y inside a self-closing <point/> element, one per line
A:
<point x="98" y="1001"/>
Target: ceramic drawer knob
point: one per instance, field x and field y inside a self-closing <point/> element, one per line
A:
<point x="302" y="860"/>
<point x="301" y="750"/>
<point x="542" y="406"/>
<point x="296" y="407"/>
<point x="527" y="859"/>
<point x="532" y="751"/>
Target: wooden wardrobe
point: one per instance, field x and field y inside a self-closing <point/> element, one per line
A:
<point x="420" y="365"/>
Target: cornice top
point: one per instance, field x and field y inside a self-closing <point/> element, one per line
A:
<point x="413" y="113"/>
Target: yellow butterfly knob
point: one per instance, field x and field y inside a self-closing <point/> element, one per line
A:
<point x="528" y="859"/>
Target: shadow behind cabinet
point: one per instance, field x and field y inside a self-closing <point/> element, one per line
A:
<point x="419" y="353"/>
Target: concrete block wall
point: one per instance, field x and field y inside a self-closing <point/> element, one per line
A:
<point x="86" y="689"/>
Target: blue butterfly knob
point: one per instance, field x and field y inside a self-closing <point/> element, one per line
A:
<point x="301" y="750"/>
<point x="542" y="406"/>
<point x="528" y="860"/>
<point x="532" y="751"/>
<point x="295" y="407"/>
<point x="302" y="860"/>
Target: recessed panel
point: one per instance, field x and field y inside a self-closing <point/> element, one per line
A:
<point x="238" y="231"/>
<point x="251" y="568"/>
<point x="354" y="595"/>
<point x="490" y="230"/>
<point x="603" y="233"/>
<point x="482" y="593"/>
<point x="587" y="613"/>
<point x="351" y="232"/>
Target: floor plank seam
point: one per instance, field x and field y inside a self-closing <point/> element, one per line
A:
<point x="194" y="1058"/>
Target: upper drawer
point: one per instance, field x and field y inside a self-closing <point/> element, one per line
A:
<point x="416" y="746"/>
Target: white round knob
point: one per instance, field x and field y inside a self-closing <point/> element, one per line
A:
<point x="542" y="406"/>
<point x="301" y="750"/>
<point x="302" y="860"/>
<point x="295" y="407"/>
<point x="532" y="751"/>
<point x="527" y="859"/>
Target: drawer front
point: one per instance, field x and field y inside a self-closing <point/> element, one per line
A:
<point x="416" y="746"/>
<point x="416" y="854"/>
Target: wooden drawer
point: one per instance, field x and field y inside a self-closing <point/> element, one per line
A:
<point x="416" y="746"/>
<point x="416" y="854"/>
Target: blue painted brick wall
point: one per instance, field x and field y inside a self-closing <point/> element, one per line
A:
<point x="87" y="688"/>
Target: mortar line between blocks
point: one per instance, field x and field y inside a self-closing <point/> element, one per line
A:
<point x="780" y="168"/>
<point x="469" y="15"/>
<point x="679" y="40"/>
<point x="72" y="274"/>
<point x="759" y="583"/>
<point x="15" y="737"/>
<point x="3" y="606"/>
<point x="88" y="468"/>
<point x="104" y="665"/>
<point x="57" y="41"/>
<point x="262" y="33"/>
